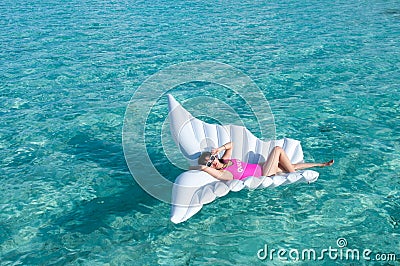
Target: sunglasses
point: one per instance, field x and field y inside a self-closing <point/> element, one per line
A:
<point x="212" y="158"/>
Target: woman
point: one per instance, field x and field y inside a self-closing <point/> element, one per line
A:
<point x="228" y="169"/>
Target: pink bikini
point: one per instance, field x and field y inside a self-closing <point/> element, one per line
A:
<point x="241" y="170"/>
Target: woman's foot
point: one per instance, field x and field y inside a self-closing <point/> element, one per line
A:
<point x="328" y="163"/>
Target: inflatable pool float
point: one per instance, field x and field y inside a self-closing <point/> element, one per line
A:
<point x="192" y="189"/>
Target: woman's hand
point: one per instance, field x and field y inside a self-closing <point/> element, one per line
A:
<point x="217" y="150"/>
<point x="225" y="147"/>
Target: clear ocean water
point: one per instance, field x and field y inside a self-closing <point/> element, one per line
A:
<point x="68" y="69"/>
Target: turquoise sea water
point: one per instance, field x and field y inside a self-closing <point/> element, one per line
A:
<point x="329" y="69"/>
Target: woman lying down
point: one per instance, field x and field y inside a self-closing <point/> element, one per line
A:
<point x="226" y="168"/>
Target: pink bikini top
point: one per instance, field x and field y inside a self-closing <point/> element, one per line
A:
<point x="240" y="170"/>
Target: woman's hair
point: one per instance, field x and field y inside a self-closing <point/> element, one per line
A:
<point x="202" y="159"/>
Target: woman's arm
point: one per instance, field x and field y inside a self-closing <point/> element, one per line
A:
<point x="218" y="174"/>
<point x="227" y="147"/>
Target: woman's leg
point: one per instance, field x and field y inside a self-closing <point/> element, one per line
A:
<point x="276" y="162"/>
<point x="300" y="166"/>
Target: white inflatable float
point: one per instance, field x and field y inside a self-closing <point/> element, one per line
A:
<point x="192" y="189"/>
